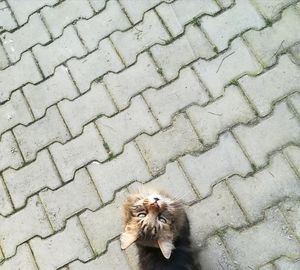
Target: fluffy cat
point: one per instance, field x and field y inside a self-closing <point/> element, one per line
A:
<point x="160" y="228"/>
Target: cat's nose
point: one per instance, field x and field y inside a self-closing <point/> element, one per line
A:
<point x="156" y="199"/>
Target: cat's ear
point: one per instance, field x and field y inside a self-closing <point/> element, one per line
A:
<point x="127" y="238"/>
<point x="166" y="246"/>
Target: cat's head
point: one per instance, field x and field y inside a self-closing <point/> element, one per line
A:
<point x="152" y="218"/>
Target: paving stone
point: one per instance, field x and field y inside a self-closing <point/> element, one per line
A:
<point x="226" y="3"/>
<point x="271" y="41"/>
<point x="259" y="140"/>
<point x="132" y="257"/>
<point x="55" y="88"/>
<point x="133" y="80"/>
<point x="94" y="65"/>
<point x="237" y="19"/>
<point x="14" y="112"/>
<point x="262" y="242"/>
<point x="169" y="182"/>
<point x="7" y="21"/>
<point x="58" y="17"/>
<point x="32" y="178"/>
<point x="291" y="210"/>
<point x="62" y="247"/>
<point x="79" y="193"/>
<point x="293" y="155"/>
<point x="287" y="264"/>
<point x="78" y="152"/>
<point x="5" y="204"/>
<point x="112" y="259"/>
<point x="22" y="10"/>
<point x="215" y="256"/>
<point x="22" y="260"/>
<point x="10" y="155"/>
<point x="24" y="38"/>
<point x="266" y="187"/>
<point x="87" y="107"/>
<point x="164" y="55"/>
<point x="127" y="124"/>
<point x="25" y="224"/>
<point x="4" y="63"/>
<point x="118" y="172"/>
<point x="25" y="71"/>
<point x="294" y="100"/>
<point x="63" y="48"/>
<point x="230" y="109"/>
<point x="264" y="89"/>
<point x="178" y="13"/>
<point x="41" y="133"/>
<point x="104" y="224"/>
<point x="97" y="4"/>
<point x="111" y="19"/>
<point x="226" y="67"/>
<point x="215" y="212"/>
<point x="220" y="162"/>
<point x="135" y="40"/>
<point x="168" y="144"/>
<point x="184" y="91"/>
<point x="272" y="9"/>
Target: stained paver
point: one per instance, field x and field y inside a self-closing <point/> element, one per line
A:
<point x="99" y="98"/>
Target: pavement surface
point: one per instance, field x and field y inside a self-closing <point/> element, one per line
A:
<point x="200" y="98"/>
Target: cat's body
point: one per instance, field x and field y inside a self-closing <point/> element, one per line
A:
<point x="160" y="228"/>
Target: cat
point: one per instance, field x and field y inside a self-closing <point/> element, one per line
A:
<point x="160" y="228"/>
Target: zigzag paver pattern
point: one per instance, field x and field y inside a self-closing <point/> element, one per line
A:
<point x="99" y="97"/>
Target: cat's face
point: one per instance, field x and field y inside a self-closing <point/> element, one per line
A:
<point x="153" y="219"/>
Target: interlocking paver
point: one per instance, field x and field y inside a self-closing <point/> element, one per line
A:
<point x="5" y="204"/>
<point x="63" y="48"/>
<point x="230" y="109"/>
<point x="14" y="112"/>
<point x="126" y="125"/>
<point x="118" y="172"/>
<point x="177" y="14"/>
<point x="269" y="134"/>
<point x="112" y="259"/>
<point x="80" y="188"/>
<point x="262" y="242"/>
<point x="58" y="17"/>
<point x="97" y="4"/>
<point x="7" y="21"/>
<point x="292" y="213"/>
<point x="145" y="34"/>
<point x="239" y="18"/>
<point x="273" y="40"/>
<point x="216" y="164"/>
<point x="41" y="133"/>
<point x="32" y="33"/>
<point x="94" y="65"/>
<point x="263" y="90"/>
<point x="170" y="65"/>
<point x="175" y="96"/>
<point x="50" y="91"/>
<point x="11" y="78"/>
<point x="133" y="80"/>
<point x="78" y="152"/>
<point x="10" y="155"/>
<point x="215" y="212"/>
<point x="32" y="178"/>
<point x="104" y="224"/>
<point x="111" y="19"/>
<point x="215" y="256"/>
<point x="62" y="248"/>
<point x="266" y="187"/>
<point x="22" y="260"/>
<point x="228" y="66"/>
<point x="285" y="263"/>
<point x="168" y="144"/>
<point x="87" y="107"/>
<point x="25" y="224"/>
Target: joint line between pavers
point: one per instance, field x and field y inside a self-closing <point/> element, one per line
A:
<point x="45" y="212"/>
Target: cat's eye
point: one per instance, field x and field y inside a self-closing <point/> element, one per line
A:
<point x="162" y="219"/>
<point x="141" y="215"/>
